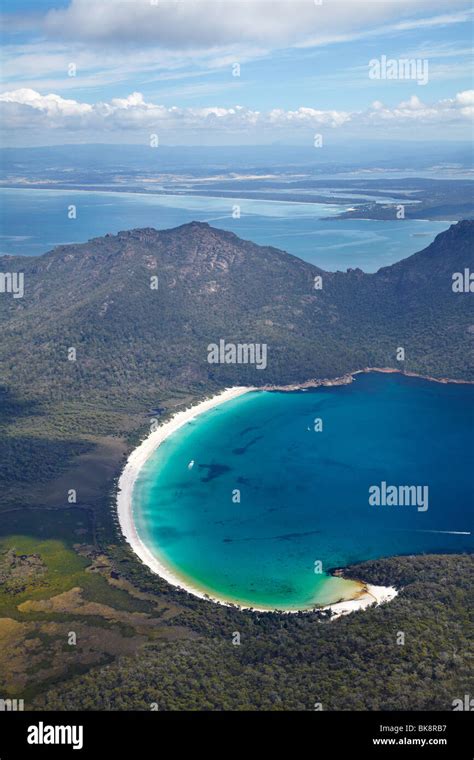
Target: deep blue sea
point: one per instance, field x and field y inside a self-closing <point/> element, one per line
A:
<point x="34" y="221"/>
<point x="304" y="495"/>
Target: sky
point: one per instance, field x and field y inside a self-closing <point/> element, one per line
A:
<point x="235" y="71"/>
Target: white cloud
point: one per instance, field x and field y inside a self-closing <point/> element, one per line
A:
<point x="41" y="65"/>
<point x="465" y="98"/>
<point x="130" y="43"/>
<point x="50" y="104"/>
<point x="26" y="108"/>
<point x="310" y="117"/>
<point x="413" y="104"/>
<point x="182" y="23"/>
<point x="449" y="111"/>
<point x="443" y="20"/>
<point x="372" y="31"/>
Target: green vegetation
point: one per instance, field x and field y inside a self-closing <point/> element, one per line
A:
<point x="65" y="569"/>
<point x="289" y="662"/>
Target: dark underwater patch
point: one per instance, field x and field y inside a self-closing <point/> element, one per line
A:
<point x="213" y="471"/>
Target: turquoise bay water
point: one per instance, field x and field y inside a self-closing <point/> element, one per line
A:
<point x="304" y="494"/>
<point x="34" y="221"/>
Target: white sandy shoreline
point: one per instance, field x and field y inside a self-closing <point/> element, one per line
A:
<point x="370" y="594"/>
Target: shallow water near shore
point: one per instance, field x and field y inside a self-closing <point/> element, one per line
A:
<point x="304" y="495"/>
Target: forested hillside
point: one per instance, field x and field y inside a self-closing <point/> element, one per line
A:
<point x="291" y="662"/>
<point x="138" y="338"/>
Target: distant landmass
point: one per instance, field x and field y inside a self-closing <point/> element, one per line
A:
<point x="431" y="185"/>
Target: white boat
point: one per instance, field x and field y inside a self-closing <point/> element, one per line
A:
<point x="191" y="464"/>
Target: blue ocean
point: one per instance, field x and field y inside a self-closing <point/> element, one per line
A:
<point x="303" y="493"/>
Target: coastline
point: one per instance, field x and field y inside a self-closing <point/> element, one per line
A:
<point x="350" y="376"/>
<point x="367" y="594"/>
<point x="129" y="474"/>
<point x="328" y="201"/>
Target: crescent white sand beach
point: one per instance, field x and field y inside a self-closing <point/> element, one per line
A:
<point x="367" y="594"/>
